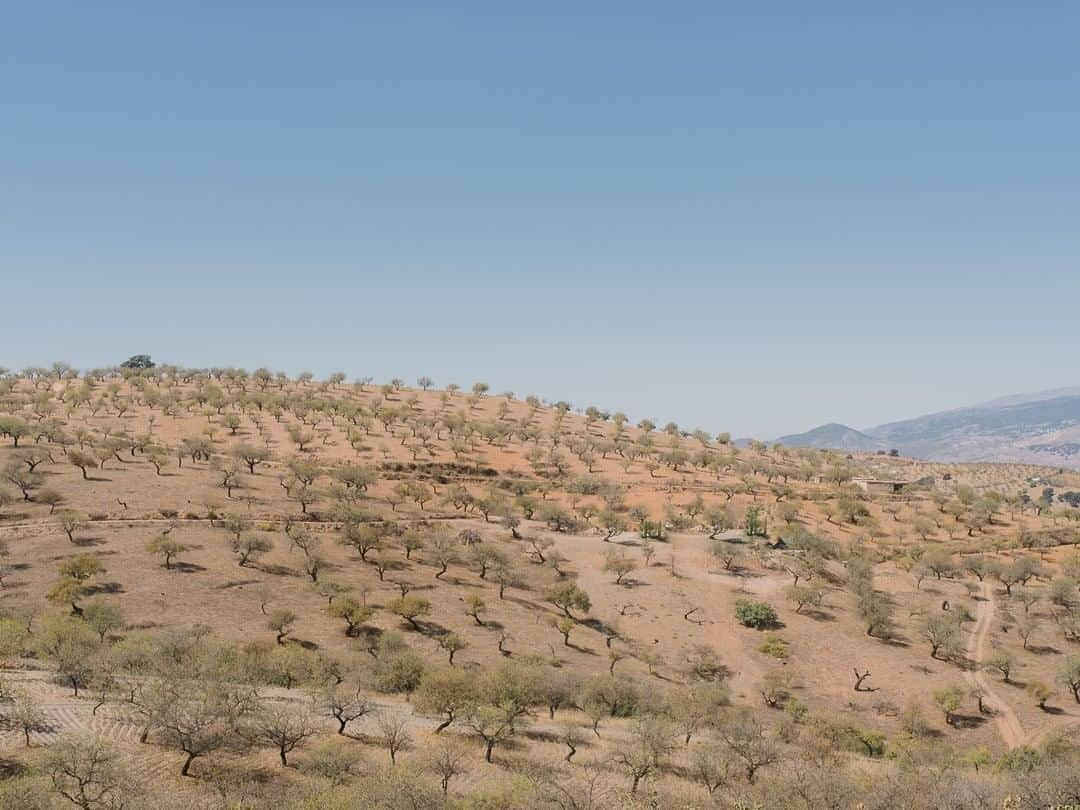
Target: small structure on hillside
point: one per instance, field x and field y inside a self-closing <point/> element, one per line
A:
<point x="885" y="485"/>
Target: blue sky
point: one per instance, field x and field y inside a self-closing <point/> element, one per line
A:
<point x="751" y="217"/>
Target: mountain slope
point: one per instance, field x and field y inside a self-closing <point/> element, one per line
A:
<point x="1025" y="428"/>
<point x="1036" y="428"/>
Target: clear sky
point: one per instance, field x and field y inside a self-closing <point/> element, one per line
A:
<point x="752" y="217"/>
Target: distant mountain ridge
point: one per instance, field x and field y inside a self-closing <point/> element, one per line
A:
<point x="834" y="436"/>
<point x="1036" y="428"/>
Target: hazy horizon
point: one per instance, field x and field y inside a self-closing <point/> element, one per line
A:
<point x="551" y="397"/>
<point x="743" y="220"/>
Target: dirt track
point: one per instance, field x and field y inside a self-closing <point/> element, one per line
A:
<point x="1007" y="722"/>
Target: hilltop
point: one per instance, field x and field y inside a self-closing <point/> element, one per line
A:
<point x="832" y="436"/>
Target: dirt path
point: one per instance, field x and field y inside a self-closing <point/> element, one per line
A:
<point x="1007" y="722"/>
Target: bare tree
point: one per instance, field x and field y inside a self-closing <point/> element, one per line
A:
<point x="748" y="740"/>
<point x="28" y="718"/>
<point x="394" y="733"/>
<point x="859" y="678"/>
<point x="283" y="727"/>
<point x="448" y="760"/>
<point x="344" y="705"/>
<point x="88" y="773"/>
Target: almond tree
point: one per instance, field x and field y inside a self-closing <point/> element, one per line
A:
<point x="492" y="724"/>
<point x="452" y="643"/>
<point x="69" y="522"/>
<point x="344" y="705"/>
<point x="713" y="767"/>
<point x="84" y="461"/>
<point x="394" y="733"/>
<point x="74" y="573"/>
<point x="25" y="480"/>
<point x="748" y="741"/>
<point x="313" y="564"/>
<point x="1069" y="674"/>
<point x="564" y="625"/>
<point x="644" y="751"/>
<point x="448" y="760"/>
<point x="167" y="547"/>
<point x="71" y="646"/>
<point x="283" y="727"/>
<point x="250" y="454"/>
<point x="619" y="565"/>
<point x="14" y="428"/>
<point x="474" y="606"/>
<point x="486" y="556"/>
<point x="352" y="611"/>
<point x="1003" y="663"/>
<point x="103" y="617"/>
<point x="410" y="608"/>
<point x="198" y="718"/>
<point x="804" y="595"/>
<point x="365" y="538"/>
<point x="441" y="551"/>
<point x="949" y="699"/>
<point x="943" y="634"/>
<point x="567" y="595"/>
<point x="281" y="622"/>
<point x="506" y="576"/>
<point x="87" y="772"/>
<point x="28" y="718"/>
<point x="445" y="692"/>
<point x="250" y="548"/>
<point x="411" y="541"/>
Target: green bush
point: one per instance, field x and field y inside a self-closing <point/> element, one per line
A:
<point x="755" y="614"/>
<point x="774" y="645"/>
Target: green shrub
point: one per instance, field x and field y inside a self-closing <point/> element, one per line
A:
<point x="755" y="614"/>
<point x="774" y="645"/>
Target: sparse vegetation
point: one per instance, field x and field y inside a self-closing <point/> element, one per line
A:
<point x="485" y="562"/>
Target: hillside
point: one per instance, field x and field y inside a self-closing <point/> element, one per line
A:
<point x="1027" y="429"/>
<point x="209" y="570"/>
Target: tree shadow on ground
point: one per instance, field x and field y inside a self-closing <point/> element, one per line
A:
<point x="894" y="641"/>
<point x="105" y="588"/>
<point x="429" y="629"/>
<point x="583" y="650"/>
<point x="88" y="541"/>
<point x="10" y="768"/>
<point x="280" y="570"/>
<point x="599" y="625"/>
<point x="1043" y="649"/>
<point x="187" y="567"/>
<point x="967" y="721"/>
<point x="236" y="583"/>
